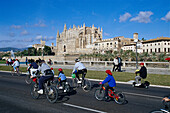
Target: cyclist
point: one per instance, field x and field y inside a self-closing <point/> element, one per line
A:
<point x="111" y="83"/>
<point x="81" y="70"/>
<point x="142" y="73"/>
<point x="33" y="68"/>
<point x="16" y="64"/>
<point x="166" y="102"/>
<point x="62" y="77"/>
<point x="47" y="74"/>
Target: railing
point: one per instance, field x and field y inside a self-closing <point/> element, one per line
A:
<point x="110" y="63"/>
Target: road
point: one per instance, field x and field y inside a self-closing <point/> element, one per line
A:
<point x="15" y="98"/>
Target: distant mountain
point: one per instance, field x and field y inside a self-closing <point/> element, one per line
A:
<point x="12" y="48"/>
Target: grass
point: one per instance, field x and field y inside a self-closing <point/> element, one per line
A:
<point x="2" y="62"/>
<point x="155" y="79"/>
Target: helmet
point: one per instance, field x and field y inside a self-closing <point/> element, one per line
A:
<point x="141" y="64"/>
<point x="51" y="68"/>
<point x="60" y="69"/>
<point x="77" y="60"/>
<point x="16" y="59"/>
<point x="29" y="64"/>
<point x="73" y="75"/>
<point x="108" y="72"/>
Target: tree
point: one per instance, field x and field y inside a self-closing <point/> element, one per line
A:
<point x="47" y="50"/>
<point x="143" y="39"/>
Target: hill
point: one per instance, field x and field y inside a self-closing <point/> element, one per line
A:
<point x="11" y="48"/>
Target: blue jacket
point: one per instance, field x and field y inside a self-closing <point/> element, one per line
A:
<point x="34" y="65"/>
<point x="62" y="76"/>
<point x="111" y="81"/>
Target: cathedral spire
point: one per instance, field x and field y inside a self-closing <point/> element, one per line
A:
<point x="98" y="29"/>
<point x="74" y="26"/>
<point x="58" y="35"/>
<point x="84" y="25"/>
<point x="65" y="27"/>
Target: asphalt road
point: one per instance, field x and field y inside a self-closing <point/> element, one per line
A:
<point x="15" y="98"/>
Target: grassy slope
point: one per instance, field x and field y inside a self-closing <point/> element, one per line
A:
<point x="155" y="79"/>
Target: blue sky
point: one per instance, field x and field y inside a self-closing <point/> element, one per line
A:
<point x="25" y="22"/>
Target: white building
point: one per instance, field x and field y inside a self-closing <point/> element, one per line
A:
<point x="158" y="45"/>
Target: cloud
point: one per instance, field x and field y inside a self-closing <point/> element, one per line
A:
<point x="167" y="17"/>
<point x="50" y="38"/>
<point x="106" y="34"/>
<point x="25" y="32"/>
<point x="26" y="40"/>
<point x="143" y="17"/>
<point x="39" y="37"/>
<point x="16" y="26"/>
<point x="124" y="17"/>
<point x="6" y="41"/>
<point x="12" y="34"/>
<point x="40" y="24"/>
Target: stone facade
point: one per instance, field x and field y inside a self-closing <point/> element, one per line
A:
<point x="77" y="40"/>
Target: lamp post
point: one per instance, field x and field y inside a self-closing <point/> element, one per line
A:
<point x="43" y="52"/>
<point x="136" y="41"/>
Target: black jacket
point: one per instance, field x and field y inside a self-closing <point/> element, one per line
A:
<point x="143" y="72"/>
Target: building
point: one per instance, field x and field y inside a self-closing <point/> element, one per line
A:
<point x="113" y="44"/>
<point x="77" y="40"/>
<point x="39" y="46"/>
<point x="157" y="45"/>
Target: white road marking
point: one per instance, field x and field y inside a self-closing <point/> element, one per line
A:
<point x="88" y="109"/>
<point x="136" y="94"/>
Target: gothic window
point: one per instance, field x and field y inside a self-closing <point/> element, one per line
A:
<point x="64" y="48"/>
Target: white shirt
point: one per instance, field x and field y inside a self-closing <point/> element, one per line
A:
<point x="116" y="61"/>
<point x="79" y="66"/>
<point x="16" y="63"/>
<point x="9" y="60"/>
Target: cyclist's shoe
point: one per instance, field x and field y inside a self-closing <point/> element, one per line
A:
<point x="61" y="87"/>
<point x="79" y="82"/>
<point x="65" y="90"/>
<point x="137" y="84"/>
<point x="84" y="87"/>
<point x="50" y="92"/>
<point x="106" y="98"/>
<point x="40" y="91"/>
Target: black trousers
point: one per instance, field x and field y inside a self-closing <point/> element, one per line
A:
<point x="107" y="89"/>
<point x="115" y="66"/>
<point x="167" y="105"/>
<point x="83" y="72"/>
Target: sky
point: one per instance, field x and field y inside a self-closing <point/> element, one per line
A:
<point x="25" y="22"/>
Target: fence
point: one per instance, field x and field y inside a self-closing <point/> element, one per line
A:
<point x="110" y="63"/>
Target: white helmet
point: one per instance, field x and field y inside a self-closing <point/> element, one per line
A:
<point x="77" y="60"/>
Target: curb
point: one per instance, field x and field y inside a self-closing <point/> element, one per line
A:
<point x="98" y="80"/>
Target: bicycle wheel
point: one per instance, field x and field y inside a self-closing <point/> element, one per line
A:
<point x="87" y="85"/>
<point x="67" y="87"/>
<point x="28" y="80"/>
<point x="19" y="72"/>
<point x="74" y="83"/>
<point x="99" y="94"/>
<point x="51" y="94"/>
<point x="34" y="89"/>
<point x="119" y="98"/>
<point x="12" y="72"/>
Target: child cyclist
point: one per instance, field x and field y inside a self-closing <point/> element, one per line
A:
<point x="111" y="83"/>
<point x="62" y="77"/>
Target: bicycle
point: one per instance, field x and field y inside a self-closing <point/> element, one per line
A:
<point x="65" y="86"/>
<point x="16" y="72"/>
<point x="28" y="79"/>
<point x="87" y="84"/>
<point x="49" y="90"/>
<point x="118" y="97"/>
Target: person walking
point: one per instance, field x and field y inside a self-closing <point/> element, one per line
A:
<point x="119" y="63"/>
<point x="26" y="60"/>
<point x="115" y="64"/>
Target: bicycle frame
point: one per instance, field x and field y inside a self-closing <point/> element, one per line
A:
<point x="111" y="93"/>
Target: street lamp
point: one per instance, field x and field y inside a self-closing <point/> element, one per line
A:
<point x="43" y="52"/>
<point x="136" y="41"/>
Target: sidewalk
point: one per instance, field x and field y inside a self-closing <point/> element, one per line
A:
<point x="162" y="71"/>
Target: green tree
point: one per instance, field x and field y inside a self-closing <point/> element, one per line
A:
<point x="47" y="50"/>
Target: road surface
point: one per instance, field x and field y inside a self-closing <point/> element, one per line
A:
<point x="15" y="98"/>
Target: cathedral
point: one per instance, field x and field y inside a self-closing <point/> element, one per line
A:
<point x="77" y="40"/>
